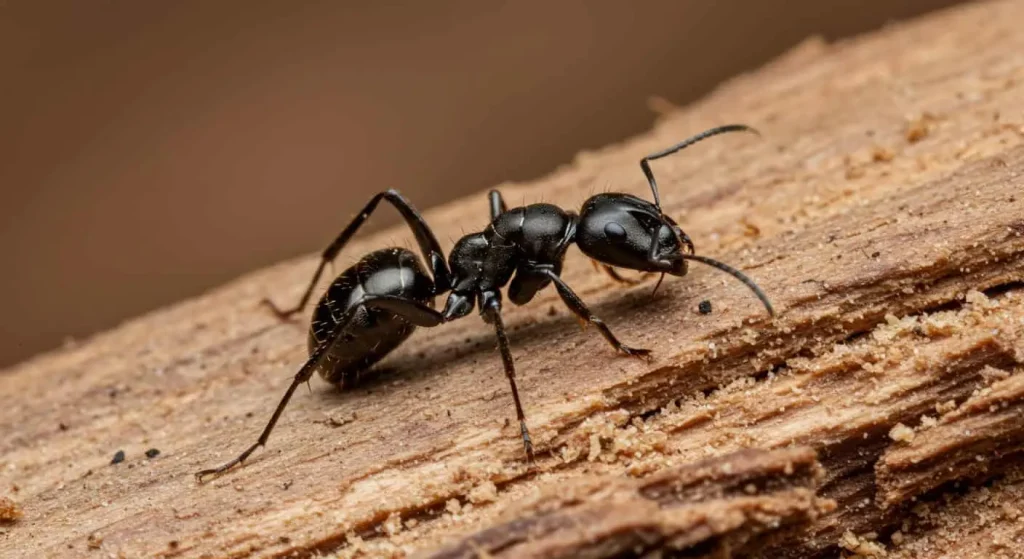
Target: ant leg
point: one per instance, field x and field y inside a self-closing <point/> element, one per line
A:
<point x="414" y="311"/>
<point x="304" y="374"/>
<point x="646" y="167"/>
<point x="498" y="206"/>
<point x="579" y="308"/>
<point x="429" y="246"/>
<point x="614" y="274"/>
<point x="492" y="313"/>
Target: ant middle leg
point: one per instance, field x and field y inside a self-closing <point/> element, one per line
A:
<point x="428" y="244"/>
<point x="579" y="308"/>
<point x="491" y="309"/>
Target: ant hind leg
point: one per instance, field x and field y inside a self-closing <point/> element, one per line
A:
<point x="429" y="246"/>
<point x="413" y="311"/>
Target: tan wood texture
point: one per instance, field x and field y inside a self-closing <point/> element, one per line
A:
<point x="883" y="213"/>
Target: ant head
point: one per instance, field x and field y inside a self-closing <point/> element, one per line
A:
<point x="624" y="231"/>
<point x="628" y="232"/>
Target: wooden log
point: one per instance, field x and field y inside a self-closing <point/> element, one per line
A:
<point x="882" y="211"/>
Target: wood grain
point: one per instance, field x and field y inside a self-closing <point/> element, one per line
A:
<point x="882" y="211"/>
<point x="725" y="504"/>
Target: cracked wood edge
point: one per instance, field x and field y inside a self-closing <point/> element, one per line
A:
<point x="723" y="504"/>
<point x="983" y="523"/>
<point x="979" y="439"/>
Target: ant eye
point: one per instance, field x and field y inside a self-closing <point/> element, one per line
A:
<point x="614" y="232"/>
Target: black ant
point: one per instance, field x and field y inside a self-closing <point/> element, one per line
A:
<point x="373" y="306"/>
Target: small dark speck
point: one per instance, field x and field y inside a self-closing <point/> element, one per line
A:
<point x="173" y="544"/>
<point x="248" y="414"/>
<point x="875" y="254"/>
<point x="287" y="484"/>
<point x="1012" y="199"/>
<point x="152" y="453"/>
<point x="285" y="540"/>
<point x="118" y="457"/>
<point x="62" y="426"/>
<point x="704" y="307"/>
<point x="449" y="413"/>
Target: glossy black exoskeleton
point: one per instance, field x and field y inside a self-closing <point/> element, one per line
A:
<point x="373" y="306"/>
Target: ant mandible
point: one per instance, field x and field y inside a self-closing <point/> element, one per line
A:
<point x="376" y="304"/>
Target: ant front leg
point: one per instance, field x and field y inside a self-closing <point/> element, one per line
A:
<point x="490" y="307"/>
<point x="579" y="308"/>
<point x="429" y="246"/>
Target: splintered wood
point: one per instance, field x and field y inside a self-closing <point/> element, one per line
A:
<point x="979" y="439"/>
<point x="879" y="414"/>
<point x="9" y="510"/>
<point x="987" y="521"/>
<point x="706" y="509"/>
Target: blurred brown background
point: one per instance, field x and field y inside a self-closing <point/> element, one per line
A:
<point x="151" y="150"/>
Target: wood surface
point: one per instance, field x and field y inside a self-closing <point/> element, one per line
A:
<point x="882" y="210"/>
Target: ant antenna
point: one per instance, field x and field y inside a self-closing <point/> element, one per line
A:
<point x="646" y="167"/>
<point x="736" y="274"/>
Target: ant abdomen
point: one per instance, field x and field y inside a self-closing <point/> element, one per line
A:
<point x="372" y="332"/>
